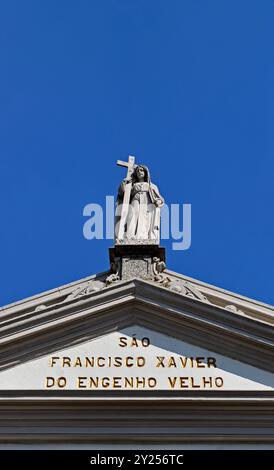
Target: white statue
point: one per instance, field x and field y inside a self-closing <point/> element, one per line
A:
<point x="138" y="207"/>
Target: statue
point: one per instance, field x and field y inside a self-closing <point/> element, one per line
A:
<point x="138" y="207"/>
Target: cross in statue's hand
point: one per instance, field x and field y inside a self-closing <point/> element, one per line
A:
<point x="130" y="169"/>
<point x="129" y="165"/>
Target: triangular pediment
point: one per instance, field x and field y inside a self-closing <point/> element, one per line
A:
<point x="179" y="327"/>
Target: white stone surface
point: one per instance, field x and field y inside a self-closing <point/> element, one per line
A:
<point x="44" y="373"/>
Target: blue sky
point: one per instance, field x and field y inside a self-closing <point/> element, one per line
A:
<point x="185" y="86"/>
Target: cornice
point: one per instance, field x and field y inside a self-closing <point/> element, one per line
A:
<point x="169" y="420"/>
<point x="26" y="336"/>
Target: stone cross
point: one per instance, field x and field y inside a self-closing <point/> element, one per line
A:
<point x="130" y="168"/>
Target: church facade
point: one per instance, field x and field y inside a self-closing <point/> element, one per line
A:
<point x="137" y="357"/>
<point x="136" y="364"/>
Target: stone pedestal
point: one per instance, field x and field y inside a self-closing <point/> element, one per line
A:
<point x="131" y="261"/>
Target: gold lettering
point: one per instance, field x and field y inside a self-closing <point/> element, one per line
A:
<point x="105" y="382"/>
<point x="81" y="382"/>
<point x="123" y="342"/>
<point x="141" y="361"/>
<point x="200" y="362"/>
<point x="50" y="381"/>
<point x="182" y="382"/>
<point x="145" y="342"/>
<point x="89" y="362"/>
<point x="66" y="361"/>
<point x="172" y="381"/>
<point x="193" y="384"/>
<point x="207" y="382"/>
<point x="211" y="362"/>
<point x="129" y="382"/>
<point x="78" y="362"/>
<point x="171" y="362"/>
<point x="101" y="362"/>
<point x="160" y="360"/>
<point x="134" y="342"/>
<point x="152" y="382"/>
<point x="183" y="361"/>
<point x="93" y="382"/>
<point x="140" y="381"/>
<point x="59" y="382"/>
<point x="118" y="362"/>
<point x="116" y="382"/>
<point x="129" y="361"/>
<point x="219" y="382"/>
<point x="53" y="360"/>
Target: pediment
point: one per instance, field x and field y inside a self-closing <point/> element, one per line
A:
<point x="178" y="326"/>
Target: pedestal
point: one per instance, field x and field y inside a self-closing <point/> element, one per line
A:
<point x="131" y="261"/>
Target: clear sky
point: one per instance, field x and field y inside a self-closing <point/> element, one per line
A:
<point x="187" y="86"/>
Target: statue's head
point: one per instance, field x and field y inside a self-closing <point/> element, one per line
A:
<point x="141" y="173"/>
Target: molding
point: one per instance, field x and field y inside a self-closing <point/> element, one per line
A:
<point x="223" y="294"/>
<point x="146" y="420"/>
<point x="217" y="295"/>
<point x="27" y="336"/>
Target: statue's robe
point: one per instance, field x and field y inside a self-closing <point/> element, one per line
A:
<point x="143" y="219"/>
